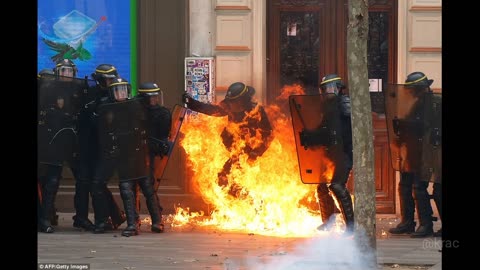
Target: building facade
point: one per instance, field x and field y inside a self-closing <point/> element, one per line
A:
<point x="270" y="43"/>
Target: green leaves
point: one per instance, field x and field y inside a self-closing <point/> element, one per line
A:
<point x="66" y="51"/>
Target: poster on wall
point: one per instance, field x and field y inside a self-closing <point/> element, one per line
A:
<point x="90" y="33"/>
<point x="200" y="79"/>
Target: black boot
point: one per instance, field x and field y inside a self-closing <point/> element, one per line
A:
<point x="345" y="201"/>
<point x="423" y="231"/>
<point x="403" y="227"/>
<point x="48" y="200"/>
<point x="100" y="206"/>
<point x="128" y="198"/>
<point x="326" y="205"/>
<point x="82" y="223"/>
<point x="81" y="201"/>
<point x="117" y="216"/>
<point x="407" y="207"/>
<point x="152" y="204"/>
<point x="425" y="211"/>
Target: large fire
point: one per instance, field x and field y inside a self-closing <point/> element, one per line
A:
<point x="272" y="201"/>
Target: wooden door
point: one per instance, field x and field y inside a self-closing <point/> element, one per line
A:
<point x="298" y="44"/>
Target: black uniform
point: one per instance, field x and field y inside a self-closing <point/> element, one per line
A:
<point x="342" y="170"/>
<point x="88" y="154"/>
<point x="56" y="130"/>
<point x="410" y="178"/>
<point x="158" y="123"/>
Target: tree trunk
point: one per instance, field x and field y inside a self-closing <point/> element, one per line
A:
<point x="363" y="160"/>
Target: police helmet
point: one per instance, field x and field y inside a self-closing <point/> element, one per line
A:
<point x="46" y="72"/>
<point x="151" y="93"/>
<point x="237" y="90"/>
<point x="65" y="68"/>
<point x="332" y="83"/>
<point x="148" y="89"/>
<point x="119" y="89"/>
<point x="418" y="79"/>
<point x="104" y="73"/>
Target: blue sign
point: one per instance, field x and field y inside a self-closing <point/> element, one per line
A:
<point x="89" y="32"/>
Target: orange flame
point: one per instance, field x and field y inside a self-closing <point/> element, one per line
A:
<point x="272" y="199"/>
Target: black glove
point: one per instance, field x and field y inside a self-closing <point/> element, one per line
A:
<point x="345" y="105"/>
<point x="319" y="136"/>
<point x="158" y="147"/>
<point x="187" y="98"/>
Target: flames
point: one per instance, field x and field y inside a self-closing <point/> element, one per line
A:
<point x="271" y="198"/>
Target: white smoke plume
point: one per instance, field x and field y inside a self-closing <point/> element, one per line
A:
<point x="326" y="251"/>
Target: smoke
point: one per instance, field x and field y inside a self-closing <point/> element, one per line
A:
<point x="326" y="251"/>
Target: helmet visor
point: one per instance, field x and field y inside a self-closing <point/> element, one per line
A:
<point x="330" y="87"/>
<point x="120" y="92"/>
<point x="154" y="100"/>
<point x="65" y="71"/>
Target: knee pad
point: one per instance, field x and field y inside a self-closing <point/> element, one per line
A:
<point x="338" y="188"/>
<point x="98" y="186"/>
<point x="126" y="188"/>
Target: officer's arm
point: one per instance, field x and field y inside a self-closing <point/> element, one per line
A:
<point x="316" y="137"/>
<point x="210" y="109"/>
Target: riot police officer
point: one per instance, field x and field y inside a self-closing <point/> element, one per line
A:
<point x="332" y="83"/>
<point x="56" y="118"/>
<point x="158" y="123"/>
<point x="120" y="124"/>
<point x="88" y="139"/>
<point x="241" y="109"/>
<point x="410" y="180"/>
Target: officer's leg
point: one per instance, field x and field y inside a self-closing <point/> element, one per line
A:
<point x="407" y="205"/>
<point x="81" y="198"/>
<point x="155" y="182"/>
<point x="146" y="184"/>
<point x="223" y="175"/>
<point x="326" y="205"/>
<point x="138" y="206"/>
<point x="103" y="172"/>
<point x="52" y="182"/>
<point x="339" y="189"/>
<point x="235" y="189"/>
<point x="44" y="180"/>
<point x="39" y="205"/>
<point x="437" y="197"/>
<point x="128" y="198"/>
<point x="424" y="208"/>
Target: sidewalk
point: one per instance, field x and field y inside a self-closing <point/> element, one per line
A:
<point x="199" y="248"/>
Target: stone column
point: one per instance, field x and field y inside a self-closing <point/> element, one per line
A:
<point x="201" y="28"/>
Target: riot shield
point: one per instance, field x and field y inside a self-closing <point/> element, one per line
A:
<point x="121" y="130"/>
<point x="432" y="141"/>
<point x="59" y="103"/>
<point x="404" y="111"/>
<point x="317" y="129"/>
<point x="160" y="163"/>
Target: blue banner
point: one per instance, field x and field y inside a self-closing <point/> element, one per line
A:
<point x="89" y="32"/>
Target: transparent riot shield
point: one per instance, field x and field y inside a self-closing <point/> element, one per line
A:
<point x="160" y="163"/>
<point x="59" y="102"/>
<point x="121" y="130"/>
<point x="432" y="141"/>
<point x="404" y="110"/>
<point x="317" y="129"/>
